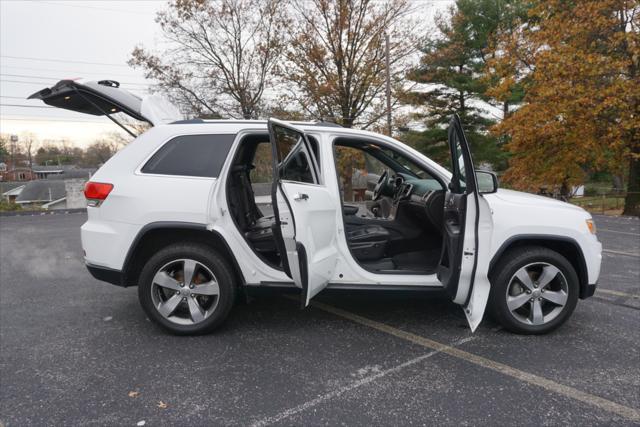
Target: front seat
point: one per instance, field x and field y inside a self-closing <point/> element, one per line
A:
<point x="367" y="242"/>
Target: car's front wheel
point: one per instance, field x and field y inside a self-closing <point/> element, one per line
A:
<point x="534" y="290"/>
<point x="187" y="289"/>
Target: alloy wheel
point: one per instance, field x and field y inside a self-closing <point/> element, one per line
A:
<point x="537" y="293"/>
<point x="185" y="292"/>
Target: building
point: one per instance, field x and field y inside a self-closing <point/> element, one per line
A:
<point x="15" y="172"/>
<point x="59" y="190"/>
<point x="40" y="192"/>
<point x="12" y="192"/>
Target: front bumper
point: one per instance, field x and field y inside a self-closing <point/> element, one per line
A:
<point x="104" y="274"/>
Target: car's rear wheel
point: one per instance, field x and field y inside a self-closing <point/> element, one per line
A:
<point x="534" y="290"/>
<point x="187" y="289"/>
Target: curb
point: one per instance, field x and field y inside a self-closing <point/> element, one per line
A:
<point x="43" y="213"/>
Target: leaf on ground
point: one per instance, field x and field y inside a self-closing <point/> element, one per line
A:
<point x="162" y="405"/>
<point x="134" y="393"/>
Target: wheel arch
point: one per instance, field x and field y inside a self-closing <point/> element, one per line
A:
<point x="155" y="236"/>
<point x="565" y="246"/>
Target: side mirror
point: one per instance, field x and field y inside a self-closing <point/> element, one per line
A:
<point x="487" y="182"/>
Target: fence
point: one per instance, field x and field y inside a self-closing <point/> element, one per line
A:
<point x="610" y="203"/>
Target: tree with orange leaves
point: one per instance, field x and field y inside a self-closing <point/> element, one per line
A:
<point x="579" y="62"/>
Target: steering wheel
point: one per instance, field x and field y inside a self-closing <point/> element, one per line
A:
<point x="382" y="182"/>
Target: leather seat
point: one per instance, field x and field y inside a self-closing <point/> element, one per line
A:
<point x="260" y="234"/>
<point x="367" y="242"/>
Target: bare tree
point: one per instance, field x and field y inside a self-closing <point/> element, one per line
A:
<point x="99" y="152"/>
<point x="336" y="57"/>
<point x="219" y="56"/>
<point x="29" y="142"/>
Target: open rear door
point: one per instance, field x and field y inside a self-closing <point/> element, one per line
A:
<point x="106" y="98"/>
<point x="467" y="232"/>
<point x="305" y="211"/>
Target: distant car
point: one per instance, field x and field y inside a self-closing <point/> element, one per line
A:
<point x="175" y="214"/>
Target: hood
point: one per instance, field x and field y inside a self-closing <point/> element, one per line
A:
<point x="527" y="199"/>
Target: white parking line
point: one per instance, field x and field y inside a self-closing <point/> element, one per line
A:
<point x="616" y="293"/>
<point x="547" y="384"/>
<point x="323" y="398"/>
<point x="609" y="251"/>
<point x="618" y="232"/>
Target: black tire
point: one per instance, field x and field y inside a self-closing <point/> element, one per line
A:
<point x="212" y="260"/>
<point x="509" y="264"/>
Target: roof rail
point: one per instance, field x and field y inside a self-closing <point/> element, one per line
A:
<point x="293" y="122"/>
<point x="328" y="124"/>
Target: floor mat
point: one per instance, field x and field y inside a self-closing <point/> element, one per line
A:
<point x="426" y="261"/>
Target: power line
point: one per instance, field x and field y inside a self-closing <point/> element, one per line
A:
<point x="93" y="7"/>
<point x="58" y="78"/>
<point x="57" y="70"/>
<point x="25" y="106"/>
<point x="31" y="58"/>
<point x="24" y="119"/>
<point x="13" y="97"/>
<point x="28" y="83"/>
<point x="130" y="89"/>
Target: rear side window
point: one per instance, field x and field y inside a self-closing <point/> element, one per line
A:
<point x="191" y="155"/>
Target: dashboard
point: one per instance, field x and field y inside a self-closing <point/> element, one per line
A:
<point x="424" y="198"/>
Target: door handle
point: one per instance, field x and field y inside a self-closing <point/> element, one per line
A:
<point x="300" y="196"/>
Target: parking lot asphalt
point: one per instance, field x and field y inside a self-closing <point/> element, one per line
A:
<point x="77" y="351"/>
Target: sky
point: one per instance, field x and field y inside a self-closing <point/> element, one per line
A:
<point x="43" y="41"/>
<point x="67" y="39"/>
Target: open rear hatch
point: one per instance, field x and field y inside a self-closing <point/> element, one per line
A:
<point x="106" y="98"/>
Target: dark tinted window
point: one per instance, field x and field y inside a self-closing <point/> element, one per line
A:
<point x="293" y="160"/>
<point x="191" y="155"/>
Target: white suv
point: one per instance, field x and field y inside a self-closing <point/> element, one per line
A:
<point x="176" y="213"/>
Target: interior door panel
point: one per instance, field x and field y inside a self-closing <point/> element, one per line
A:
<point x="453" y="237"/>
<point x="464" y="210"/>
<point x="305" y="211"/>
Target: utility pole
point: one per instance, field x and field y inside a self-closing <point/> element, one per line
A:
<point x="386" y="48"/>
<point x="14" y="142"/>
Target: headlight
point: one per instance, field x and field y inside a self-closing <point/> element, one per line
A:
<point x="591" y="226"/>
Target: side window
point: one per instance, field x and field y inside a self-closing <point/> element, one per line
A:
<point x="263" y="168"/>
<point x="297" y="168"/>
<point x="356" y="169"/>
<point x="262" y="171"/>
<point x="360" y="165"/>
<point x="459" y="165"/>
<point x="293" y="161"/>
<point x="191" y="155"/>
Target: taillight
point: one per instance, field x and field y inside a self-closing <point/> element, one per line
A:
<point x="96" y="192"/>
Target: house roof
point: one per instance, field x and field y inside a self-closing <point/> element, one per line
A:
<point x="15" y="191"/>
<point x="53" y="203"/>
<point x="53" y="168"/>
<point x="43" y="190"/>
<point x="72" y="173"/>
<point x="9" y="185"/>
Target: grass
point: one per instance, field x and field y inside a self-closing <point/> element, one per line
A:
<point x="6" y="206"/>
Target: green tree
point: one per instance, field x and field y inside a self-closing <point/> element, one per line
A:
<point x="4" y="151"/>
<point x="452" y="73"/>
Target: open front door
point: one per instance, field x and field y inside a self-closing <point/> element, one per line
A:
<point x="305" y="211"/>
<point x="466" y="235"/>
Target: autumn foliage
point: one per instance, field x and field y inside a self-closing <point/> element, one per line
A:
<point x="335" y="63"/>
<point x="578" y="62"/>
